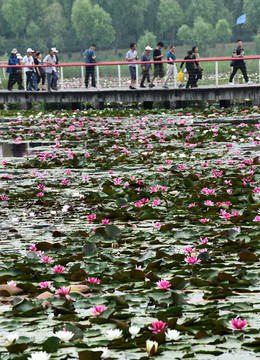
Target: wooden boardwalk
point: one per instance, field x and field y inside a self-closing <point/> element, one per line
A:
<point x="98" y="97"/>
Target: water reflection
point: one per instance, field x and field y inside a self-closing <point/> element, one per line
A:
<point x="22" y="149"/>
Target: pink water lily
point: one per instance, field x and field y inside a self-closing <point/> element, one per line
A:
<point x="46" y="259"/>
<point x="238" y="324"/>
<point x="93" y="280"/>
<point x="98" y="309"/>
<point x="157" y="326"/>
<point x="163" y="284"/>
<point x="63" y="291"/>
<point x="58" y="269"/>
<point x="191" y="260"/>
<point x="45" y="284"/>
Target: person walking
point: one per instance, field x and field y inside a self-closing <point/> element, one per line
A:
<point x="90" y="58"/>
<point x="28" y="60"/>
<point x="12" y="71"/>
<point x="239" y="53"/>
<point x="198" y="72"/>
<point x="190" y="66"/>
<point x="34" y="74"/>
<point x="171" y="66"/>
<point x="131" y="56"/>
<point x="41" y="72"/>
<point x="51" y="70"/>
<point x="158" y="68"/>
<point x="55" y="51"/>
<point x="146" y="67"/>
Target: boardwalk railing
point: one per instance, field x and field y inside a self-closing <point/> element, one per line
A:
<point x="208" y="74"/>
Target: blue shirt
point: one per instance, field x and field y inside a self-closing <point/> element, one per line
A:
<point x="88" y="56"/>
<point x="12" y="61"/>
<point x="170" y="56"/>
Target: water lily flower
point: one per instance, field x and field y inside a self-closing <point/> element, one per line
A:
<point x="163" y="284"/>
<point x="204" y="241"/>
<point x="238" y="324"/>
<point x="40" y="355"/>
<point x="11" y="339"/>
<point x="93" y="280"/>
<point x="46" y="259"/>
<point x="173" y="335"/>
<point x="257" y="218"/>
<point x="203" y="221"/>
<point x="45" y="284"/>
<point x="91" y="218"/>
<point x="151" y="347"/>
<point x="157" y="225"/>
<point x="191" y="260"/>
<point x="189" y="249"/>
<point x="105" y="221"/>
<point x="12" y="283"/>
<point x="58" y="269"/>
<point x="157" y="326"/>
<point x="114" y="334"/>
<point x="134" y="330"/>
<point x="64" y="335"/>
<point x="63" y="291"/>
<point x="98" y="309"/>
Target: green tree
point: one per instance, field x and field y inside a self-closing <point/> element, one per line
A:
<point x="252" y="10"/>
<point x="223" y="32"/>
<point x="54" y="25"/>
<point x="184" y="34"/>
<point x="103" y="32"/>
<point x="203" y="34"/>
<point x="147" y="39"/>
<point x="206" y="9"/>
<point x="15" y="12"/>
<point x="80" y="17"/>
<point x="170" y="16"/>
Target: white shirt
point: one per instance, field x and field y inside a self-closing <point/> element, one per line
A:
<point x="52" y="60"/>
<point x="28" y="60"/>
<point x="130" y="54"/>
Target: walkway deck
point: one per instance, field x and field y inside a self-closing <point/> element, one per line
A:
<point x="98" y="97"/>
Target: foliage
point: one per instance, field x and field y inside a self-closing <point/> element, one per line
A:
<point x="223" y="31"/>
<point x="147" y="39"/>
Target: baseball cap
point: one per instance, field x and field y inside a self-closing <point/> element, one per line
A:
<point x="148" y="48"/>
<point x="29" y="50"/>
<point x="54" y="49"/>
<point x="19" y="56"/>
<point x="14" y="51"/>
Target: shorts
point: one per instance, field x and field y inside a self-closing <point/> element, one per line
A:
<point x="158" y="70"/>
<point x="132" y="72"/>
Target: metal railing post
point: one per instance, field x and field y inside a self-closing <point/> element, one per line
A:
<point x="175" y="72"/>
<point x="119" y="75"/>
<point x="82" y="76"/>
<point x="259" y="70"/>
<point x="97" y="76"/>
<point x="216" y="73"/>
<point x="4" y="73"/>
<point x="61" y="78"/>
<point x="24" y="79"/>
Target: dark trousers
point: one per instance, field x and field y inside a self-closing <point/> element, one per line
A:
<point x="90" y="70"/>
<point x="29" y="79"/>
<point x="41" y="77"/>
<point x="52" y="79"/>
<point x="145" y="75"/>
<point x="242" y="68"/>
<point x="15" y="78"/>
<point x="192" y="80"/>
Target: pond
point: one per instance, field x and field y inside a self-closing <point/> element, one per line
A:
<point x="120" y="227"/>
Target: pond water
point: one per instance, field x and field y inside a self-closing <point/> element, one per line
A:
<point x="118" y="196"/>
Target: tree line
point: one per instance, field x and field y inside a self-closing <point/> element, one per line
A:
<point x="71" y="25"/>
